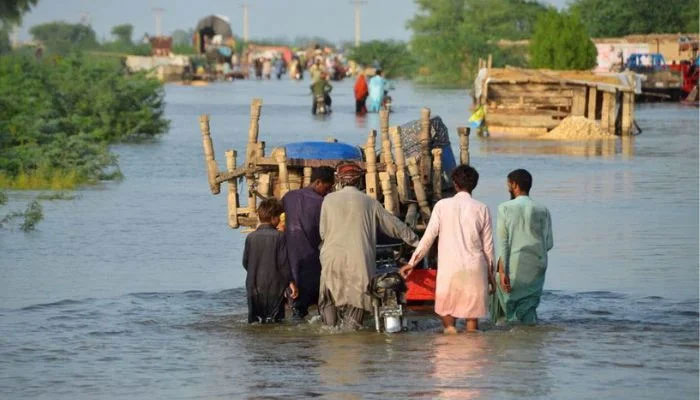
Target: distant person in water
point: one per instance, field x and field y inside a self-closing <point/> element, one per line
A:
<point x="258" y="66"/>
<point x="524" y="233"/>
<point x="377" y="86"/>
<point x="268" y="276"/>
<point x="302" y="208"/>
<point x="361" y="93"/>
<point x="462" y="227"/>
<point x="319" y="88"/>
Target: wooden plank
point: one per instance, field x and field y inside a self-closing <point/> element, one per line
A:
<point x="592" y="98"/>
<point x="527" y="111"/>
<point x="533" y="101"/>
<point x="627" y="113"/>
<point x="604" y="113"/>
<point x="529" y="121"/>
<point x="496" y="131"/>
<point x="530" y="88"/>
<point x="612" y="113"/>
<point x="578" y="108"/>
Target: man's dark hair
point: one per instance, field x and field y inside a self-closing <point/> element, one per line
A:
<point x="269" y="209"/>
<point x="465" y="177"/>
<point x="522" y="178"/>
<point x="323" y="174"/>
<point x="379" y="71"/>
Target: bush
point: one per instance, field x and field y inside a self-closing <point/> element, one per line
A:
<point x="58" y="116"/>
<point x="560" y="41"/>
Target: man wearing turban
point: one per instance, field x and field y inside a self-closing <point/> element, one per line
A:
<point x="348" y="228"/>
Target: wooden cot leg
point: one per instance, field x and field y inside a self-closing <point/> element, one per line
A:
<point x="232" y="190"/>
<point x="437" y="174"/>
<point x="419" y="189"/>
<point x="401" y="182"/>
<point x="212" y="169"/>
<point x="371" y="158"/>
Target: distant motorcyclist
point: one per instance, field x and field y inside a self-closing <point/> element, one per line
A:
<point x="321" y="88"/>
<point x="377" y="88"/>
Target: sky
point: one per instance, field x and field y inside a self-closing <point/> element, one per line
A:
<point x="332" y="19"/>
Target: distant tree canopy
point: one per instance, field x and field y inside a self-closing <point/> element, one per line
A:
<point x="62" y="37"/>
<point x="393" y="57"/>
<point x="123" y="33"/>
<point x="612" y="18"/>
<point x="449" y="36"/>
<point x="183" y="37"/>
<point x="11" y="11"/>
<point x="560" y="41"/>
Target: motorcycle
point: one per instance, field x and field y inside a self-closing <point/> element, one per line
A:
<point x="321" y="107"/>
<point x="388" y="291"/>
<point x="386" y="102"/>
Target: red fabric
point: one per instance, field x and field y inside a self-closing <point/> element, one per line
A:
<point x="349" y="171"/>
<point x="361" y="90"/>
<point x="421" y="285"/>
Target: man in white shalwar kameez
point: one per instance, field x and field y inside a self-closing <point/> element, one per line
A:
<point x="465" y="253"/>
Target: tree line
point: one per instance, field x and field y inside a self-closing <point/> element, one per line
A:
<point x="449" y="36"/>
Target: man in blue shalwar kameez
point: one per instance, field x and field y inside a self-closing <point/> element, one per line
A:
<point x="524" y="236"/>
<point x="302" y="209"/>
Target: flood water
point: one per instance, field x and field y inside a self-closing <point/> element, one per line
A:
<point x="134" y="289"/>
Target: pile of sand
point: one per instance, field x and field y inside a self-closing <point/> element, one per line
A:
<point x="576" y="128"/>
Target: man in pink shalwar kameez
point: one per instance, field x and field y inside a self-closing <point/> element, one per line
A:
<point x="465" y="253"/>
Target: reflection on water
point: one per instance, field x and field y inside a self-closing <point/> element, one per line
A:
<point x="619" y="319"/>
<point x="603" y="148"/>
<point x="459" y="364"/>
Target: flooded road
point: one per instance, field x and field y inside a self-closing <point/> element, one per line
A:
<point x="134" y="289"/>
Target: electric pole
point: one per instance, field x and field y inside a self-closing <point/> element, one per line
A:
<point x="245" y="22"/>
<point x="357" y="4"/>
<point x="158" y="13"/>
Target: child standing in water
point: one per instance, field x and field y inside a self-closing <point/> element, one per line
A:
<point x="268" y="273"/>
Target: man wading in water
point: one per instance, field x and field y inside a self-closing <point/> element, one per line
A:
<point x="465" y="248"/>
<point x="524" y="230"/>
<point x="302" y="209"/>
<point x="348" y="228"/>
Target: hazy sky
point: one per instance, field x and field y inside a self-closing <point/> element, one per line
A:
<point x="332" y="19"/>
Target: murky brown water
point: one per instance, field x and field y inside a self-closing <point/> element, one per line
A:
<point x="133" y="289"/>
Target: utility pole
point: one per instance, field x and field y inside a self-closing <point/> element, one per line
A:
<point x="245" y="22"/>
<point x="357" y="4"/>
<point x="158" y="13"/>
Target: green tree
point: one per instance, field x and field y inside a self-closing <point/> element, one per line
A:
<point x="613" y="18"/>
<point x="11" y="11"/>
<point x="560" y="41"/>
<point x="4" y="41"/>
<point x="449" y="36"/>
<point x="183" y="37"/>
<point x="123" y="33"/>
<point x="393" y="56"/>
<point x="62" y="37"/>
